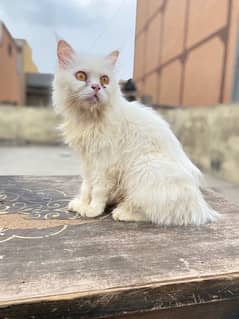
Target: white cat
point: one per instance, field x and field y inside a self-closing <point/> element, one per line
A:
<point x="128" y="153"/>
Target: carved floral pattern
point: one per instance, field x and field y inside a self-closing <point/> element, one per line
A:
<point x="41" y="201"/>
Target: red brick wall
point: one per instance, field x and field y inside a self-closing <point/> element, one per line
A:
<point x="185" y="50"/>
<point x="11" y="83"/>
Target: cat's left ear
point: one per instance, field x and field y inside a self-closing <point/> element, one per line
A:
<point x="64" y="53"/>
<point x="112" y="57"/>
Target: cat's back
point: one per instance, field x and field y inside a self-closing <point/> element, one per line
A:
<point x="147" y="129"/>
<point x="144" y="118"/>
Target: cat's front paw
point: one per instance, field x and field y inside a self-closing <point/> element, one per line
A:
<point x="76" y="206"/>
<point x="83" y="210"/>
<point x="92" y="212"/>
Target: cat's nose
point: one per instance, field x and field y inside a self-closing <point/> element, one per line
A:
<point x="95" y="87"/>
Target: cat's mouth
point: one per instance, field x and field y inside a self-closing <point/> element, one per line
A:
<point x="94" y="99"/>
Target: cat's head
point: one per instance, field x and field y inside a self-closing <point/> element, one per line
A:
<point x="83" y="80"/>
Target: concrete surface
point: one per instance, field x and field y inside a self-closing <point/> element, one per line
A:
<point x="38" y="160"/>
<point x="229" y="190"/>
<point x="60" y="160"/>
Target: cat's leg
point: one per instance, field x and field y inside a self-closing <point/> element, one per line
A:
<point x="79" y="204"/>
<point x="125" y="212"/>
<point x="91" y="203"/>
<point x="99" y="197"/>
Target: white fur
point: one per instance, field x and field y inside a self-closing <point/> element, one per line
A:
<point x="128" y="154"/>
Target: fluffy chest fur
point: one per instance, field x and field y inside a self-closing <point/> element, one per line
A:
<point x="97" y="143"/>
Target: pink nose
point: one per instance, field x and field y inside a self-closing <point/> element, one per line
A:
<point x="95" y="87"/>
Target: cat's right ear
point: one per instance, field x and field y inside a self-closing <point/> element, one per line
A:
<point x="64" y="53"/>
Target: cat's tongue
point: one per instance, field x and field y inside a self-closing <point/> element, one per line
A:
<point x="93" y="99"/>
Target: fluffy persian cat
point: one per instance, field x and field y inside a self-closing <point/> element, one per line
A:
<point x="129" y="155"/>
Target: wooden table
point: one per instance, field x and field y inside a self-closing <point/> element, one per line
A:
<point x="53" y="265"/>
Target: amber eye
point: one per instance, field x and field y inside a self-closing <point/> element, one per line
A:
<point x="81" y="76"/>
<point x="104" y="80"/>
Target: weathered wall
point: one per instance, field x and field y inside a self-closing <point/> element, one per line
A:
<point x="210" y="137"/>
<point x="28" y="125"/>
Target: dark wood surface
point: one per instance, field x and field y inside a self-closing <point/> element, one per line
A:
<point x="54" y="263"/>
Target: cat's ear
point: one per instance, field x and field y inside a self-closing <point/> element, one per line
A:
<point x="65" y="53"/>
<point x="112" y="57"/>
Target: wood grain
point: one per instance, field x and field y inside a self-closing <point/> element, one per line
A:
<point x="106" y="268"/>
